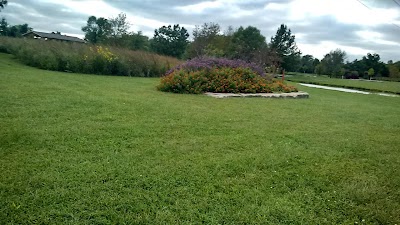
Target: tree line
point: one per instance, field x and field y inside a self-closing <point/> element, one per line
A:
<point x="13" y="31"/>
<point x="246" y="43"/>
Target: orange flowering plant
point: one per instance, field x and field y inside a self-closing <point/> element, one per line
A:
<point x="200" y="77"/>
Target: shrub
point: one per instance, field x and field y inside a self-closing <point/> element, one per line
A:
<point x="220" y="75"/>
<point x="351" y="75"/>
<point x="86" y="58"/>
<point x="209" y="63"/>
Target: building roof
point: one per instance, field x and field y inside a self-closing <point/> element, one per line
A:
<point x="57" y="36"/>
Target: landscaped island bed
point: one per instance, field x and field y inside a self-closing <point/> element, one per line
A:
<point x="88" y="149"/>
<point x="219" y="75"/>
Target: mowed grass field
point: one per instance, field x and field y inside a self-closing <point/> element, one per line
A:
<point x="86" y="149"/>
<point x="376" y="86"/>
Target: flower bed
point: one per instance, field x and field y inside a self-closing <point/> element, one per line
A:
<point x="202" y="75"/>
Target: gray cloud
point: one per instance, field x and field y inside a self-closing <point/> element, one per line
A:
<point x="44" y="17"/>
<point x="326" y="28"/>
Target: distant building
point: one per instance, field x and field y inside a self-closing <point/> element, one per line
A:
<point x="52" y="36"/>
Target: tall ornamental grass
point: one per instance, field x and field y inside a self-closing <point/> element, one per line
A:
<point x="87" y="58"/>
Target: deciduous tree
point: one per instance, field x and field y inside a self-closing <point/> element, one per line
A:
<point x="13" y="31"/>
<point x="319" y="69"/>
<point x="204" y="40"/>
<point x="367" y="62"/>
<point x="97" y="29"/>
<point x="333" y="62"/>
<point x="138" y="41"/>
<point x="246" y="42"/>
<point x="374" y="61"/>
<point x="394" y="69"/>
<point x="119" y="25"/>
<point x="371" y="73"/>
<point x="307" y="64"/>
<point x="267" y="58"/>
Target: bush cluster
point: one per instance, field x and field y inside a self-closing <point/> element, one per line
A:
<point x="210" y="63"/>
<point x="222" y="76"/>
<point x="86" y="58"/>
<point x="351" y="75"/>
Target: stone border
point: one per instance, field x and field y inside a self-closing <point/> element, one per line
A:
<point x="299" y="94"/>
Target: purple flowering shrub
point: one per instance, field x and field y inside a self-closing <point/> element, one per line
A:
<point x="220" y="75"/>
<point x="210" y="63"/>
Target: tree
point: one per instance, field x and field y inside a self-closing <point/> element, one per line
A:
<point x="3" y="27"/>
<point x="138" y="41"/>
<point x="220" y="44"/>
<point x="204" y="37"/>
<point x="394" y="69"/>
<point x="316" y="62"/>
<point x="373" y="61"/>
<point x="356" y="66"/>
<point x="119" y="35"/>
<point x="284" y="44"/>
<point x="371" y="73"/>
<point x="308" y="64"/>
<point x="333" y="62"/>
<point x="24" y="28"/>
<point x="119" y="25"/>
<point x="3" y="3"/>
<point x="97" y="29"/>
<point x="246" y="42"/>
<point x="171" y="40"/>
<point x="134" y="41"/>
<point x="267" y="58"/>
<point x="13" y="31"/>
<point x="319" y="69"/>
<point x="369" y="61"/>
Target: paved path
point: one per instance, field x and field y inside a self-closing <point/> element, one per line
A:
<point x="335" y="88"/>
<point x="347" y="90"/>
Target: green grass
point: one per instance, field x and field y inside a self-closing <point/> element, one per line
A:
<point x="381" y="86"/>
<point x="86" y="149"/>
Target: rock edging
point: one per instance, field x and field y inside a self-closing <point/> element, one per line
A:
<point x="299" y="94"/>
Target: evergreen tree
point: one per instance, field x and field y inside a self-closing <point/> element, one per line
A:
<point x="284" y="44"/>
<point x="171" y="40"/>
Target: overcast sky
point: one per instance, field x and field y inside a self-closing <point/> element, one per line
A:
<point x="319" y="25"/>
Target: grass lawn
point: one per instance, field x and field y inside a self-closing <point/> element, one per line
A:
<point x="381" y="86"/>
<point x="86" y="149"/>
